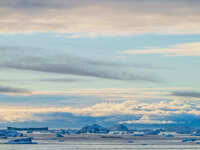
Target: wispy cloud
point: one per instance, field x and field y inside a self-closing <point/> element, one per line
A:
<point x="186" y="49"/>
<point x="115" y="94"/>
<point x="94" y="17"/>
<point x="87" y="71"/>
<point x="63" y="80"/>
<point x="186" y="94"/>
<point x="11" y="90"/>
<point x="72" y="65"/>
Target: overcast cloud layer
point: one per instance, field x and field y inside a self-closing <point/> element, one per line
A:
<point x="105" y="17"/>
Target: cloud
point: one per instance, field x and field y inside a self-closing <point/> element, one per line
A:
<point x="186" y="49"/>
<point x="76" y="69"/>
<point x="130" y="112"/>
<point x="186" y="94"/>
<point x="94" y="17"/>
<point x="63" y="120"/>
<point x="71" y="65"/>
<point x="146" y="120"/>
<point x="11" y="90"/>
<point x="130" y="106"/>
<point x="64" y="80"/>
<point x="142" y="106"/>
<point x="121" y="94"/>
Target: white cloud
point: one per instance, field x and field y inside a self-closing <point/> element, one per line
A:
<point x="146" y="120"/>
<point x="186" y="49"/>
<point x="117" y="93"/>
<point x="156" y="109"/>
<point x="137" y="102"/>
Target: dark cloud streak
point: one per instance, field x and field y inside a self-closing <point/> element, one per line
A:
<point x="67" y="64"/>
<point x="5" y="89"/>
<point x="64" y="80"/>
<point x="186" y="94"/>
<point x="80" y="69"/>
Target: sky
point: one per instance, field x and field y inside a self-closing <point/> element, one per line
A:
<point x="67" y="63"/>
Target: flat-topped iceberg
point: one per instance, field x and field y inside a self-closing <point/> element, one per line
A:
<point x="10" y="133"/>
<point x="27" y="140"/>
<point x="28" y="129"/>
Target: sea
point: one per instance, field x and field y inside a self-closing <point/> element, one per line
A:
<point x="96" y="146"/>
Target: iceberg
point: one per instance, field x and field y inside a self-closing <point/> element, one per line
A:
<point x="130" y="141"/>
<point x="28" y="129"/>
<point x="27" y="140"/>
<point x="168" y="135"/>
<point x="59" y="135"/>
<point x="10" y="133"/>
<point x="189" y="139"/>
<point x="95" y="128"/>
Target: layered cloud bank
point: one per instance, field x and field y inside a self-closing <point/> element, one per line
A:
<point x="127" y="106"/>
<point x="105" y="17"/>
<point x="130" y="112"/>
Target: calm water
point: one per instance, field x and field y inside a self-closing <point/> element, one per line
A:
<point x="89" y="146"/>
